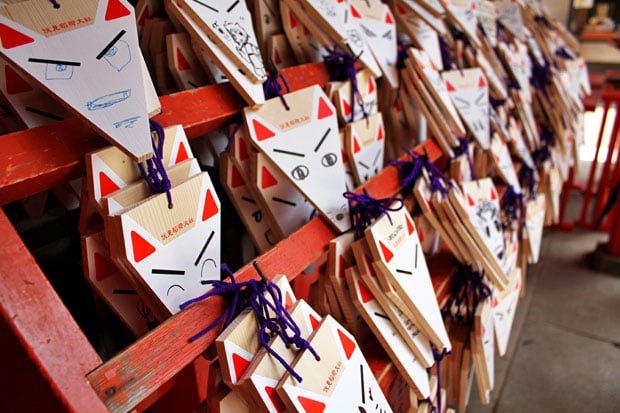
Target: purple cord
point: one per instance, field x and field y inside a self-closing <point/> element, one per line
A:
<point x="513" y="205"/>
<point x="410" y="170"/>
<point x="265" y="300"/>
<point x="527" y="180"/>
<point x="272" y="88"/>
<point x="341" y="67"/>
<point x="55" y="4"/>
<point x="541" y="77"/>
<point x="364" y="209"/>
<point x="231" y="137"/>
<point x="155" y="174"/>
<point x="463" y="148"/>
<point x="438" y="359"/>
<point x="446" y="53"/>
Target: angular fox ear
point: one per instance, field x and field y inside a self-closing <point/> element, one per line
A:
<point x="493" y="194"/>
<point x="210" y="207"/>
<point x="386" y="252"/>
<point x="10" y="38"/>
<point x="261" y="131"/>
<point x="324" y="109"/>
<point x="348" y="345"/>
<point x="240" y="364"/>
<point x="410" y="227"/>
<point x="115" y="10"/>
<point x="470" y="200"/>
<point x="481" y="82"/>
<point x="141" y="247"/>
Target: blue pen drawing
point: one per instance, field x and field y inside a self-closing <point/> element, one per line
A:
<point x="58" y="71"/>
<point x="126" y="123"/>
<point x="119" y="55"/>
<point x="108" y="100"/>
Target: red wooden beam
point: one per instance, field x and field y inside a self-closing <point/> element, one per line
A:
<point x="40" y="322"/>
<point x="41" y="158"/>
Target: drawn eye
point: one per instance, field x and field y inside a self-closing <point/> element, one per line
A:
<point x="112" y="51"/>
<point x="488" y="231"/>
<point x="329" y="159"/>
<point x="300" y="172"/>
<point x="174" y="286"/>
<point x="61" y="68"/>
<point x="205" y="271"/>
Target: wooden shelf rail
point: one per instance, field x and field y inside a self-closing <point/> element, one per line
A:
<point x="41" y="158"/>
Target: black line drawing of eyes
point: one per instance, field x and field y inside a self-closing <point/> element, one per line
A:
<point x="329" y="159"/>
<point x="204" y="273"/>
<point x="174" y="286"/>
<point x="300" y="172"/>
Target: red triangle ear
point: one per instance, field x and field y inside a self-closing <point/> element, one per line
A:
<point x="482" y="82"/>
<point x="388" y="18"/>
<point x="314" y="322"/>
<point x="348" y="345"/>
<point x="292" y="20"/>
<point x="141" y="247"/>
<point x="410" y="227"/>
<point x="267" y="179"/>
<point x="342" y="266"/>
<point x="380" y="133"/>
<point x="106" y="185"/>
<point x="210" y="209"/>
<point x="310" y="405"/>
<point x="495" y="302"/>
<point x="493" y="194"/>
<point x="14" y="82"/>
<point x="474" y="6"/>
<point x="236" y="180"/>
<point x="324" y="109"/>
<point x="243" y="149"/>
<point x="364" y="292"/>
<point x="470" y="200"/>
<point x="356" y="145"/>
<point x="182" y="61"/>
<point x="275" y="399"/>
<point x="115" y="10"/>
<point x="288" y="301"/>
<point x="11" y="38"/>
<point x="103" y="267"/>
<point x="261" y="131"/>
<point x="276" y="56"/>
<point x="181" y="154"/>
<point x="355" y="13"/>
<point x="450" y="87"/>
<point x="387" y="254"/>
<point x="346" y="107"/>
<point x="371" y="85"/>
<point x="240" y="365"/>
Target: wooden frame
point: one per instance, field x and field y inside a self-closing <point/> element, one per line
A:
<point x="39" y="159"/>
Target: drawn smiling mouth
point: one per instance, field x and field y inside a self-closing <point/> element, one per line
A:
<point x="108" y="100"/>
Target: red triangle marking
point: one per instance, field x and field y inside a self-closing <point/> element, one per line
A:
<point x="275" y="399"/>
<point x="517" y="285"/>
<point x="240" y="365"/>
<point x="210" y="209"/>
<point x="141" y="247"/>
<point x="470" y="200"/>
<point x="115" y="10"/>
<point x="182" y="61"/>
<point x="473" y="5"/>
<point x="314" y="322"/>
<point x="14" y="82"/>
<point x="267" y="179"/>
<point x="324" y="109"/>
<point x="493" y="194"/>
<point x="236" y="179"/>
<point x="276" y="56"/>
<point x="11" y="38"/>
<point x="388" y="18"/>
<point x="433" y="66"/>
<point x="380" y="133"/>
<point x="348" y="345"/>
<point x="482" y="82"/>
<point x="387" y="254"/>
<point x="371" y="85"/>
<point x="410" y="227"/>
<point x="355" y="13"/>
<point x="483" y="331"/>
<point x="144" y="16"/>
<point x="261" y="131"/>
<point x="310" y="405"/>
<point x="356" y="145"/>
<point x="495" y="302"/>
<point x="342" y="266"/>
<point x="346" y="107"/>
<point x="450" y="87"/>
<point x="243" y="149"/>
<point x="106" y="185"/>
<point x="364" y="292"/>
<point x="401" y="9"/>
<point x="496" y="158"/>
<point x="288" y="302"/>
<point x="181" y="154"/>
<point x="103" y="267"/>
<point x="292" y="20"/>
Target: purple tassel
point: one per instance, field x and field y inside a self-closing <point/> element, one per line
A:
<point x="364" y="209"/>
<point x="155" y="173"/>
<point x="341" y="67"/>
<point x="272" y="88"/>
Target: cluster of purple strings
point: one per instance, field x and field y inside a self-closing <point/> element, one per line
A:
<point x="154" y="172"/>
<point x="265" y="299"/>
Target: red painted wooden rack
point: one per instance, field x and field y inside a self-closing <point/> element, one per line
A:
<point x="70" y="374"/>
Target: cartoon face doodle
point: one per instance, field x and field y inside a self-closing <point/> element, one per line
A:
<point x="487" y="217"/>
<point x="119" y="55"/>
<point x="247" y="50"/>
